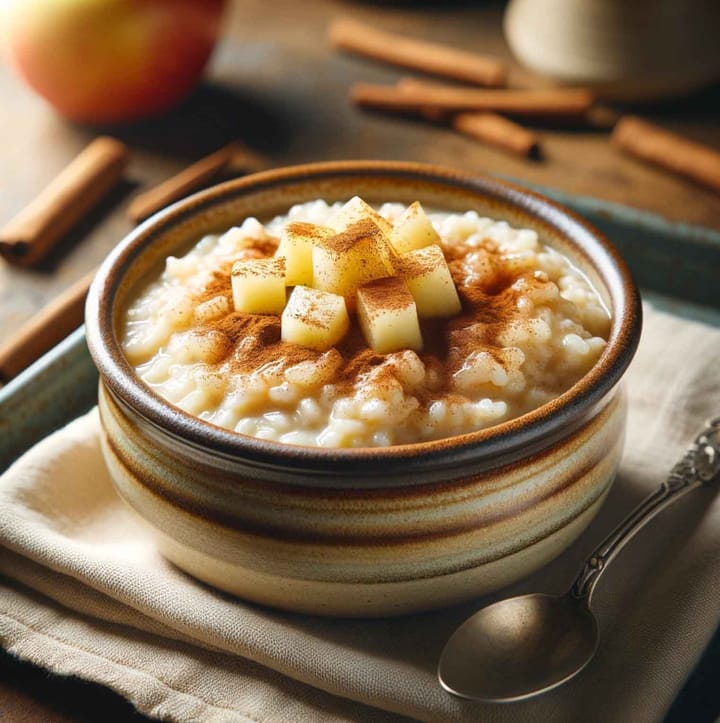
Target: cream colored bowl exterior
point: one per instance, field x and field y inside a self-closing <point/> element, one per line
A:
<point x="365" y="552"/>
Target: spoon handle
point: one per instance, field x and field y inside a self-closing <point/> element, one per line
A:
<point x="699" y="465"/>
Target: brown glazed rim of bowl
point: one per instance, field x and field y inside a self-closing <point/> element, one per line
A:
<point x="542" y="425"/>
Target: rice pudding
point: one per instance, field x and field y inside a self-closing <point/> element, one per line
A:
<point x="510" y="326"/>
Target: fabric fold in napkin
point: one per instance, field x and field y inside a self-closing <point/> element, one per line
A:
<point x="84" y="592"/>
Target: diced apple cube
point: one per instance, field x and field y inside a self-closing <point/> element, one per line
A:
<point x="428" y="277"/>
<point x="350" y="259"/>
<point x="388" y="316"/>
<point x="357" y="210"/>
<point x="258" y="286"/>
<point x="413" y="230"/>
<point x="314" y="318"/>
<point x="296" y="243"/>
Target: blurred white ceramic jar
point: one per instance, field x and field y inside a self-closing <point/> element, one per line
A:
<point x="625" y="49"/>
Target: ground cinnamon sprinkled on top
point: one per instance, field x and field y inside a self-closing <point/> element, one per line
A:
<point x="255" y="338"/>
<point x="342" y="243"/>
<point x="308" y="230"/>
<point x="390" y="293"/>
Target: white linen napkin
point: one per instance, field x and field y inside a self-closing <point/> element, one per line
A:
<point x="84" y="592"/>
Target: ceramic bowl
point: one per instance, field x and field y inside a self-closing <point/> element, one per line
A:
<point x="361" y="532"/>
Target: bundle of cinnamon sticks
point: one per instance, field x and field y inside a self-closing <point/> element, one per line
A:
<point x="480" y="112"/>
<point x="480" y="109"/>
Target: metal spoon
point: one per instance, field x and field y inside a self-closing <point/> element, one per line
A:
<point x="522" y="646"/>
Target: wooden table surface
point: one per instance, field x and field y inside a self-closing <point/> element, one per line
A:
<point x="275" y="84"/>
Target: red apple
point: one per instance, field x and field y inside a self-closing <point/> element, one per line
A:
<point x="103" y="61"/>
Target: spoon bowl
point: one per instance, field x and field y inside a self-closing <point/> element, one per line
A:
<point x="519" y="647"/>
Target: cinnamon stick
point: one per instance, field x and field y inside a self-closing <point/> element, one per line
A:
<point x="49" y="326"/>
<point x="33" y="233"/>
<point x="180" y="185"/>
<point x="432" y="114"/>
<point x="427" y="57"/>
<point x="679" y="155"/>
<point x="497" y="131"/>
<point x="567" y="104"/>
<point x="246" y="160"/>
<point x="489" y="128"/>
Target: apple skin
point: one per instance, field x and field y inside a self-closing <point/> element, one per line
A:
<point x="109" y="61"/>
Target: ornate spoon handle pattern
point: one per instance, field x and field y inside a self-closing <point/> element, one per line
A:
<point x="698" y="466"/>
